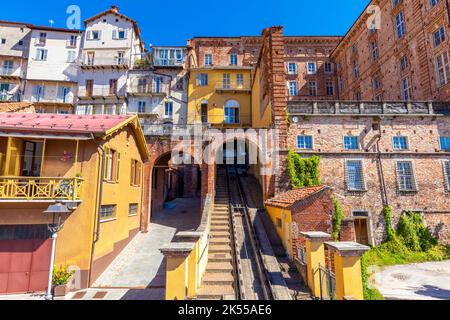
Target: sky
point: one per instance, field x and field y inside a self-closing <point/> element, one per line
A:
<point x="173" y="22"/>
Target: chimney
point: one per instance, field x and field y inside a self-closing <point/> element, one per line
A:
<point x="114" y="8"/>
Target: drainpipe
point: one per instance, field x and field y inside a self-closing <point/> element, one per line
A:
<point x="380" y="164"/>
<point x="99" y="199"/>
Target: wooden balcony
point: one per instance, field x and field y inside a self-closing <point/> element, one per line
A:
<point x="40" y="189"/>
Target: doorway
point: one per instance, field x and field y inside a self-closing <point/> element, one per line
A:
<point x="204" y="113"/>
<point x="32" y="159"/>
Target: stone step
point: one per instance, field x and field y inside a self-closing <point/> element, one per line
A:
<point x="218" y="267"/>
<point x="220" y="257"/>
<point x="220" y="241"/>
<point x="219" y="249"/>
<point x="215" y="279"/>
<point x="220" y="224"/>
<point x="220" y="228"/>
<point x="220" y="234"/>
<point x="215" y="292"/>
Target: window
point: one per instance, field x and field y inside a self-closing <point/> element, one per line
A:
<point x="64" y="94"/>
<point x="120" y="57"/>
<point x="202" y="80"/>
<point x="232" y="112"/>
<point x="405" y="176"/>
<point x="73" y="41"/>
<point x="330" y="88"/>
<point x="445" y="143"/>
<point x="396" y="2"/>
<point x="403" y="63"/>
<point x="341" y="84"/>
<point x="71" y="56"/>
<point x="312" y="68"/>
<point x="376" y="82"/>
<point x="4" y="88"/>
<point x="38" y="93"/>
<point x="133" y="209"/>
<point x="355" y="177"/>
<point x="141" y="106"/>
<point x="351" y="143"/>
<point x="157" y="84"/>
<point x="357" y="95"/>
<point x="279" y="223"/>
<point x="42" y="38"/>
<point x="293" y="89"/>
<point x="168" y="110"/>
<point x="208" y="59"/>
<point x="447" y="173"/>
<point x="354" y="48"/>
<point x="433" y="3"/>
<point x="226" y="81"/>
<point x="379" y="97"/>
<point x="305" y="142"/>
<point x="400" y="143"/>
<point x="108" y="212"/>
<point x="328" y="66"/>
<point x="112" y="165"/>
<point x="355" y="68"/>
<point x="374" y="50"/>
<point x="292" y="68"/>
<point x="2" y="41"/>
<point x="240" y="80"/>
<point x="119" y="34"/>
<point x="405" y="86"/>
<point x="400" y="23"/>
<point x="8" y="67"/>
<point x="180" y="84"/>
<point x="94" y="35"/>
<point x="136" y="173"/>
<point x="442" y="69"/>
<point x="312" y="86"/>
<point x="89" y="88"/>
<point x="41" y="54"/>
<point x="438" y="36"/>
<point x="113" y="86"/>
<point x="233" y="59"/>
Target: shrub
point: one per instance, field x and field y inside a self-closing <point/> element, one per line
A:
<point x="413" y="232"/>
<point x="338" y="217"/>
<point x="61" y="276"/>
<point x="303" y="172"/>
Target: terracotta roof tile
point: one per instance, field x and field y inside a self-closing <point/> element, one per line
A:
<point x="14" y="106"/>
<point x="288" y="199"/>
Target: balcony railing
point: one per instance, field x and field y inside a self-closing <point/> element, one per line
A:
<point x="153" y="88"/>
<point x="40" y="189"/>
<point x="100" y="92"/>
<point x="104" y="62"/>
<point x="368" y="108"/>
<point x="233" y="86"/>
<point x="5" y="96"/>
<point x="160" y="62"/>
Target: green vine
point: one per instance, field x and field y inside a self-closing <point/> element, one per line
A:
<point x="338" y="218"/>
<point x="387" y="214"/>
<point x="303" y="172"/>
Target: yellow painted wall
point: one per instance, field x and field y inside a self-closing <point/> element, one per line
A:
<point x="286" y="219"/>
<point x="74" y="245"/>
<point x="348" y="277"/>
<point x="260" y="119"/>
<point x="216" y="101"/>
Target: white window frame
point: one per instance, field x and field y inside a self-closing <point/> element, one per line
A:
<point x="442" y="62"/>
<point x="208" y="59"/>
<point x="142" y="105"/>
<point x="358" y="145"/>
<point x="292" y="71"/>
<point x="446" y="168"/>
<point x="400" y="149"/>
<point x="329" y="85"/>
<point x="226" y="81"/>
<point x="168" y="110"/>
<point x="293" y="88"/>
<point x="374" y="50"/>
<point x="233" y="59"/>
<point x="403" y="63"/>
<point x="439" y="36"/>
<point x="71" y="56"/>
<point x="400" y="25"/>
<point x="232" y="107"/>
<point x="41" y="54"/>
<point x="310" y="64"/>
<point x="406" y="89"/>
<point x="312" y="88"/>
<point x="347" y="176"/>
<point x="240" y="80"/>
<point x="413" y="176"/>
<point x="328" y="67"/>
<point x="433" y="3"/>
<point x="305" y="147"/>
<point x="202" y="80"/>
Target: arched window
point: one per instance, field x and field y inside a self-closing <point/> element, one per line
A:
<point x="232" y="112"/>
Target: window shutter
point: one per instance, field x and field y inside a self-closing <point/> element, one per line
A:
<point x="99" y="35"/>
<point x="89" y="35"/>
<point x="106" y="164"/>
<point x="117" y="173"/>
<point x="38" y="56"/>
<point x="61" y="93"/>
<point x="132" y="182"/>
<point x="114" y="34"/>
<point x="139" y="174"/>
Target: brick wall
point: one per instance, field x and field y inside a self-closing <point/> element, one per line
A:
<point x="423" y="135"/>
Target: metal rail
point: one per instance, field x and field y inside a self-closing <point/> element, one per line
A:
<point x="262" y="275"/>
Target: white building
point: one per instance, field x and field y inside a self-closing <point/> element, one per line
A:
<point x="14" y="47"/>
<point x="51" y="79"/>
<point x="157" y="90"/>
<point x="111" y="45"/>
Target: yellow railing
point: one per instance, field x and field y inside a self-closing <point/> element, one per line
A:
<point x="38" y="188"/>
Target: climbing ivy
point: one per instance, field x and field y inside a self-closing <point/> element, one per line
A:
<point x="338" y="218"/>
<point x="413" y="233"/>
<point x="303" y="172"/>
<point x="387" y="214"/>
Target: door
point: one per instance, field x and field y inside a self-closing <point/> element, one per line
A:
<point x="204" y="113"/>
<point x="362" y="231"/>
<point x="89" y="88"/>
<point x="32" y="159"/>
<point x="24" y="258"/>
<point x="13" y="157"/>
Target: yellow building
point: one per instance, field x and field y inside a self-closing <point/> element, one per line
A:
<point x="220" y="96"/>
<point x="93" y="165"/>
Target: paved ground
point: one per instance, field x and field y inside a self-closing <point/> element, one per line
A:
<point x="138" y="273"/>
<point x="424" y="281"/>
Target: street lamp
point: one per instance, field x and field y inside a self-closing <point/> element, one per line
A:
<point x="59" y="212"/>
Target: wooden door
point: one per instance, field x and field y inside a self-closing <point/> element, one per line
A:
<point x="13" y="157"/>
<point x="362" y="231"/>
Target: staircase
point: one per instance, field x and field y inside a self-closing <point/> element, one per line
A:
<point x="218" y="281"/>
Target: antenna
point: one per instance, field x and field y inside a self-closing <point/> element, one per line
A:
<point x="52" y="22"/>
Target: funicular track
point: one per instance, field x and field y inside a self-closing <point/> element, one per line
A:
<point x="251" y="279"/>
